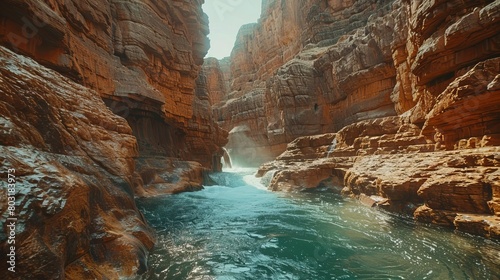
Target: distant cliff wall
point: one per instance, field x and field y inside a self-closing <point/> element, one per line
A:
<point x="310" y="67"/>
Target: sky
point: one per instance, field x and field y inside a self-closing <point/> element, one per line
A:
<point x="226" y="17"/>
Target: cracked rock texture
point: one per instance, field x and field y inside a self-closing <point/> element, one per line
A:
<point x="75" y="209"/>
<point x="312" y="67"/>
<point x="384" y="163"/>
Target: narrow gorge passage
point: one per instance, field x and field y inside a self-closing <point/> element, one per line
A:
<point x="109" y="107"/>
<point x="238" y="230"/>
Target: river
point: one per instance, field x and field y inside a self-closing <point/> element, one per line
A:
<point x="239" y="230"/>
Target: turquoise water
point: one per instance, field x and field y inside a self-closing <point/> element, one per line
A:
<point x="239" y="230"/>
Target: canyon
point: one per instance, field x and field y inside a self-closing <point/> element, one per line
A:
<point x="393" y="102"/>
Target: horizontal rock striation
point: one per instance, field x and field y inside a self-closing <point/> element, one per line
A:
<point x="386" y="163"/>
<point x="74" y="179"/>
<point x="217" y="78"/>
<point x="279" y="90"/>
<point x="348" y="62"/>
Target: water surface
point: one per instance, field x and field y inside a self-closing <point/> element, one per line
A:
<point x="239" y="230"/>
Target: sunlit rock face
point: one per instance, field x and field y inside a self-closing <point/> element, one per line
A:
<point x="310" y="67"/>
<point x="142" y="57"/>
<point x="75" y="180"/>
<point x="279" y="90"/>
<point x="387" y="163"/>
<point x="407" y="90"/>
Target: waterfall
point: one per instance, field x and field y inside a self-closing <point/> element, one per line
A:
<point x="267" y="178"/>
<point x="226" y="159"/>
<point x="332" y="147"/>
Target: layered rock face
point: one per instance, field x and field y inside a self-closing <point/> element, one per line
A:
<point x="108" y="109"/>
<point x="313" y="67"/>
<point x="387" y="163"/>
<point x="216" y="78"/>
<point x="74" y="179"/>
<point x="278" y="90"/>
<point x="402" y="95"/>
<point x="143" y="57"/>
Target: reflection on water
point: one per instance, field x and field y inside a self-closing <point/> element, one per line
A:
<point x="238" y="230"/>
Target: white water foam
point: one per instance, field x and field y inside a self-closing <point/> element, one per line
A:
<point x="332" y="147"/>
<point x="248" y="175"/>
<point x="253" y="181"/>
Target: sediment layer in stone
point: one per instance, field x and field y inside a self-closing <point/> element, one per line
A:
<point x="384" y="162"/>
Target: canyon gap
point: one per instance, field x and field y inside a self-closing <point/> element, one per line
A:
<point x="102" y="101"/>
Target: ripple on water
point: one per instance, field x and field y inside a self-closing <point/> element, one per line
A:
<point x="239" y="231"/>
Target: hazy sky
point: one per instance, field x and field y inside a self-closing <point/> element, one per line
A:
<point x="226" y="17"/>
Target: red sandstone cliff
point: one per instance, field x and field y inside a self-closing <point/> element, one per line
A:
<point x="216" y="77"/>
<point x="142" y="57"/>
<point x="78" y="165"/>
<point x="411" y="89"/>
<point x="277" y="91"/>
<point x="74" y="179"/>
<point x="313" y="67"/>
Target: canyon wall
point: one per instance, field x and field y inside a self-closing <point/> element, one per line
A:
<point x="278" y="91"/>
<point x="313" y="67"/>
<point x="99" y="102"/>
<point x="403" y="97"/>
<point x="74" y="179"/>
<point x="142" y="57"/>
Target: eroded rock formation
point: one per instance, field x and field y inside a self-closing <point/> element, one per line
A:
<point x="74" y="171"/>
<point x="279" y="90"/>
<point x="142" y="57"/>
<point x="217" y="78"/>
<point x="79" y="164"/>
<point x="407" y="92"/>
<point x="313" y="67"/>
<point x="388" y="164"/>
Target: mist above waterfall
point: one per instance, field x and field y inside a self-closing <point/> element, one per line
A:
<point x="245" y="151"/>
